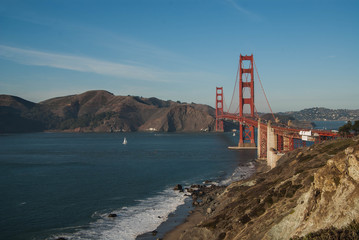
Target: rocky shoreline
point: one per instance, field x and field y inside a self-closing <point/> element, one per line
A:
<point x="314" y="189"/>
<point x="201" y="197"/>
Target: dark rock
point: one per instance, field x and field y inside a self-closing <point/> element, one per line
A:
<point x="154" y="232"/>
<point x="178" y="187"/>
<point x="112" y="215"/>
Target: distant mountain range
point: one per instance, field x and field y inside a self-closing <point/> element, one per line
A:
<point x="323" y="114"/>
<point x="101" y="111"/>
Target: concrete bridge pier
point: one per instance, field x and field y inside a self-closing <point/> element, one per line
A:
<point x="272" y="153"/>
<point x="259" y="139"/>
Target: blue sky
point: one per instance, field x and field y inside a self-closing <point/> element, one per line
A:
<point x="306" y="51"/>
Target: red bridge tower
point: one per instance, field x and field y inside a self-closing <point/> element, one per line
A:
<point x="246" y="132"/>
<point x="219" y="109"/>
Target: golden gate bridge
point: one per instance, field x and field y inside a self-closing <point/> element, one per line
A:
<point x="273" y="138"/>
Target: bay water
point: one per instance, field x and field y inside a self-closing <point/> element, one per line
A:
<point x="56" y="185"/>
<point x="329" y="125"/>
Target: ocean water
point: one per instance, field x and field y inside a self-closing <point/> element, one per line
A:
<point x="329" y="125"/>
<point x="65" y="184"/>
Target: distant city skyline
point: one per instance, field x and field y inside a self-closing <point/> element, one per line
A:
<point x="306" y="51"/>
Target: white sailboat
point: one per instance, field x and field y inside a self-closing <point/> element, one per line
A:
<point x="124" y="141"/>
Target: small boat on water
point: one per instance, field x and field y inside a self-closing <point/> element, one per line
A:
<point x="124" y="141"/>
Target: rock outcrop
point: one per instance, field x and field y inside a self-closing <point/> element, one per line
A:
<point x="311" y="189"/>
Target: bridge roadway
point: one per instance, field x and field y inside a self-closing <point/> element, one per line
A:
<point x="274" y="140"/>
<point x="254" y="122"/>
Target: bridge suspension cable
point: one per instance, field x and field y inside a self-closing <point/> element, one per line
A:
<point x="263" y="89"/>
<point x="234" y="89"/>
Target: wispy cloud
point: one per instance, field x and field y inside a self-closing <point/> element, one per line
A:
<point x="102" y="67"/>
<point x="243" y="10"/>
<point x="83" y="64"/>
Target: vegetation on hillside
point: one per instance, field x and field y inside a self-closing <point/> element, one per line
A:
<point x="349" y="128"/>
<point x="350" y="232"/>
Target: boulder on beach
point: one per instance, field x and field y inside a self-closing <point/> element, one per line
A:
<point x="178" y="187"/>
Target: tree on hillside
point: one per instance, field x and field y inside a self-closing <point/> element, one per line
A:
<point x="355" y="127"/>
<point x="345" y="129"/>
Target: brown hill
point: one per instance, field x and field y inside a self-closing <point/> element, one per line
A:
<point x="102" y="111"/>
<point x="179" y="118"/>
<point x="15" y="103"/>
<point x="13" y="111"/>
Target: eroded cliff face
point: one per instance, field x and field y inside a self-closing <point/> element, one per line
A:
<point x="311" y="189"/>
<point x="331" y="201"/>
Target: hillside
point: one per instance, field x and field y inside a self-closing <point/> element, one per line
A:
<point x="14" y="115"/>
<point x="288" y="120"/>
<point x="322" y="114"/>
<point x="314" y="190"/>
<point x="101" y="111"/>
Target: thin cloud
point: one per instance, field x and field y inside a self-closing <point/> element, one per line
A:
<point x="243" y="10"/>
<point x="82" y="64"/>
<point x="91" y="65"/>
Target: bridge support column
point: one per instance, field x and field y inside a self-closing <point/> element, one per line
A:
<point x="219" y="109"/>
<point x="248" y="135"/>
<point x="259" y="139"/>
<point x="287" y="142"/>
<point x="272" y="156"/>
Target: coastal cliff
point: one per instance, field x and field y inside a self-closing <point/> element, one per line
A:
<point x="314" y="190"/>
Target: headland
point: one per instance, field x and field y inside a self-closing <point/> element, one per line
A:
<point x="313" y="190"/>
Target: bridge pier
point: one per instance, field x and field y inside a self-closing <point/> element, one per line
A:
<point x="259" y="139"/>
<point x="248" y="136"/>
<point x="272" y="146"/>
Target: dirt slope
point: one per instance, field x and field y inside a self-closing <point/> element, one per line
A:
<point x="311" y="189"/>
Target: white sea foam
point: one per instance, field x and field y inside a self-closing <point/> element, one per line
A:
<point x="241" y="172"/>
<point x="132" y="221"/>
